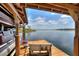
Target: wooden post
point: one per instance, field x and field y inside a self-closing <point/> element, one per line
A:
<point x="17" y="45"/>
<point x="76" y="38"/>
<point x="17" y="38"/>
<point x="23" y="31"/>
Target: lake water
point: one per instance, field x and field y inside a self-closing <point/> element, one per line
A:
<point x="62" y="39"/>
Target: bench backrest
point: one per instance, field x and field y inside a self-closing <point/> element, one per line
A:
<point x="38" y="47"/>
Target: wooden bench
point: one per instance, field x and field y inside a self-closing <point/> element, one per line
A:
<point x="40" y="49"/>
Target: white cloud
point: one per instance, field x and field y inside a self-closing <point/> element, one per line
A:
<point x="63" y="21"/>
<point x="29" y="18"/>
<point x="52" y="22"/>
<point x="53" y="13"/>
<point x="40" y="20"/>
<point x="65" y="16"/>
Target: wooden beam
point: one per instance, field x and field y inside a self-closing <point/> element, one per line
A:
<point x="15" y="11"/>
<point x="22" y="5"/>
<point x="5" y="19"/>
<point x="76" y="38"/>
<point x="47" y="7"/>
<point x="73" y="14"/>
<point x="4" y="10"/>
<point x="53" y="6"/>
<point x="66" y="6"/>
<point x="24" y="12"/>
<point x="18" y="6"/>
<point x="12" y="9"/>
<point x="9" y="8"/>
<point x="20" y="12"/>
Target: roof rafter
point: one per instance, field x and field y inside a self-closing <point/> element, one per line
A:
<point x="12" y="10"/>
<point x="66" y="6"/>
<point x="47" y="7"/>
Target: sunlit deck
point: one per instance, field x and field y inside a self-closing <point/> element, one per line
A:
<point x="54" y="51"/>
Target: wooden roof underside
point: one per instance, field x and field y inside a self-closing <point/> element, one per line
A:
<point x="18" y="8"/>
<point x="52" y="7"/>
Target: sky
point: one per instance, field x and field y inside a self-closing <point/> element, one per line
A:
<point x="39" y="19"/>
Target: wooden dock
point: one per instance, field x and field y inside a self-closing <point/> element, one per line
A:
<point x="54" y="51"/>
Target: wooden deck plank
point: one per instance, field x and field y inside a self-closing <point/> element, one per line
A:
<point x="55" y="51"/>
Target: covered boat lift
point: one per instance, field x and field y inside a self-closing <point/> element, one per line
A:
<point x="17" y="13"/>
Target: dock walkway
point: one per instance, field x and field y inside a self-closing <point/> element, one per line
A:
<point x="54" y="51"/>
